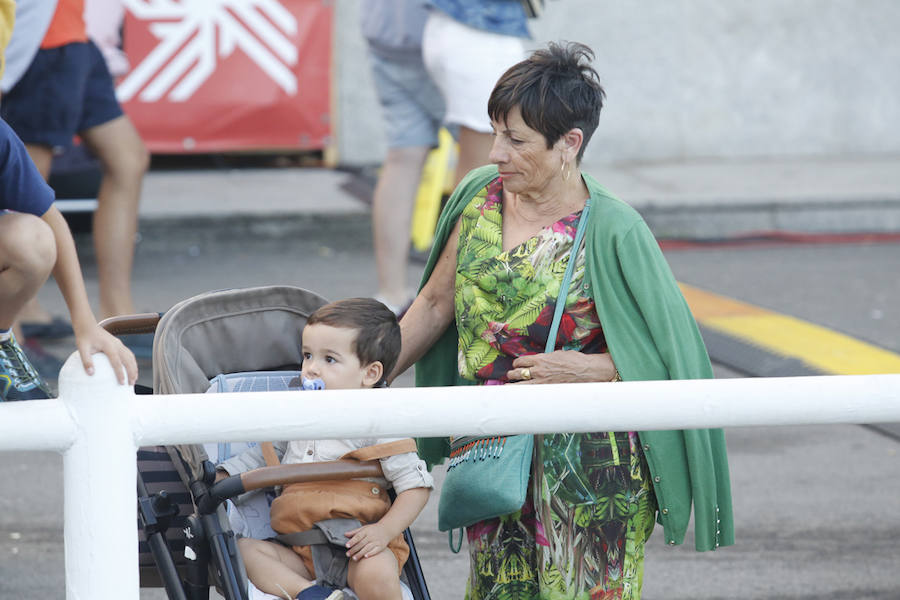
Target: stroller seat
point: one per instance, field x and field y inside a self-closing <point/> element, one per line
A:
<point x="223" y="332"/>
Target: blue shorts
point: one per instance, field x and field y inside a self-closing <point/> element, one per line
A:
<point x="66" y="90"/>
<point x="412" y="105"/>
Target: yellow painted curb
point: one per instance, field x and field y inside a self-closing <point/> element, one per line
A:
<point x="817" y="346"/>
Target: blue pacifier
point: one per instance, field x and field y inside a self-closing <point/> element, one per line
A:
<point x="312" y="384"/>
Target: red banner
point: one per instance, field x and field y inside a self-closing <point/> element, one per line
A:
<point x="225" y="75"/>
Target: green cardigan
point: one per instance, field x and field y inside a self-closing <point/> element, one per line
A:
<point x="651" y="335"/>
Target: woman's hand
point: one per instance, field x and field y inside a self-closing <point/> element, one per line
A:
<point x="562" y="366"/>
<point x="367" y="541"/>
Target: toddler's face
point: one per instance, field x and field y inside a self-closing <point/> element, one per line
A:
<point x="328" y="355"/>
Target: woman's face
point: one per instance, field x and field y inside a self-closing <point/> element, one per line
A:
<point x="522" y="157"/>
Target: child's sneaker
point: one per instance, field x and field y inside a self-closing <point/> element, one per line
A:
<point x="18" y="378"/>
<point x="320" y="592"/>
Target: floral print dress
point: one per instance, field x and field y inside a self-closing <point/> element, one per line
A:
<point x="590" y="507"/>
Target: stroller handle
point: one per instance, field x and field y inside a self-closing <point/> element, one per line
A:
<point x="128" y="324"/>
<point x="303" y="472"/>
<point x="266" y="477"/>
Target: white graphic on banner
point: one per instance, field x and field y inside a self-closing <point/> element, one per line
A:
<point x="194" y="34"/>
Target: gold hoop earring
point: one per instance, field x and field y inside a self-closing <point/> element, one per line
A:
<point x="567" y="172"/>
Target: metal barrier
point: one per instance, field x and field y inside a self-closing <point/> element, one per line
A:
<point x="98" y="425"/>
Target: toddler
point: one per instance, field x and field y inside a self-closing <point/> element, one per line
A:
<point x="346" y="344"/>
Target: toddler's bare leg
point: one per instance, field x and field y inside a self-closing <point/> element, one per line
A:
<point x="273" y="568"/>
<point x="376" y="577"/>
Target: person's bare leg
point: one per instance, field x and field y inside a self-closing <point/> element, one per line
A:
<point x="392" y="208"/>
<point x="273" y="568"/>
<point x="474" y="148"/>
<point x="124" y="160"/>
<point x="32" y="311"/>
<point x="42" y="157"/>
<point x="376" y="577"/>
<point x="27" y="256"/>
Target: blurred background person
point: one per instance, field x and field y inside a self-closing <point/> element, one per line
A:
<point x="413" y="111"/>
<point x="7" y="20"/>
<point x="467" y="45"/>
<point x="103" y="22"/>
<point x="66" y="90"/>
<point x="29" y="19"/>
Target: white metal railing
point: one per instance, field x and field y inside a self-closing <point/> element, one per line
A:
<point x="98" y="425"/>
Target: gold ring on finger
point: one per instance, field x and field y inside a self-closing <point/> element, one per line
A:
<point x="526" y="373"/>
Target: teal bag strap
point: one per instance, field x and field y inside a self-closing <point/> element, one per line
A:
<point x="567" y="278"/>
<point x="462" y="532"/>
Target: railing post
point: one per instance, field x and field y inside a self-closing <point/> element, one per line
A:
<point x="101" y="540"/>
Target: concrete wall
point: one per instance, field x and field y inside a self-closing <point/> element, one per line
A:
<point x="700" y="78"/>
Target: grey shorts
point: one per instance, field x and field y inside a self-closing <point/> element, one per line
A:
<point x="412" y="106"/>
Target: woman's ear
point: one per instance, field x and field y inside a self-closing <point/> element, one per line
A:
<point x="373" y="373"/>
<point x="571" y="143"/>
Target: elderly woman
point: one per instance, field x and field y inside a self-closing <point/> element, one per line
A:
<point x="482" y="315"/>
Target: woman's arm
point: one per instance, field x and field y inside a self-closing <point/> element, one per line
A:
<point x="432" y="310"/>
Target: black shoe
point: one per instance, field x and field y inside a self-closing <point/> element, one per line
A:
<point x="18" y="378"/>
<point x="55" y="329"/>
<point x="320" y="592"/>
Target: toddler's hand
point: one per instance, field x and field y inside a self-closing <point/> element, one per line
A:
<point x="367" y="541"/>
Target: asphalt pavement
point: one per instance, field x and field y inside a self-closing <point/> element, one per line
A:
<point x="816" y="507"/>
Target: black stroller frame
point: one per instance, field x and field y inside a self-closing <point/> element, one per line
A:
<point x="211" y="545"/>
<point x="180" y="505"/>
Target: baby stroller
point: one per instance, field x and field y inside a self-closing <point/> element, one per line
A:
<point x="186" y="541"/>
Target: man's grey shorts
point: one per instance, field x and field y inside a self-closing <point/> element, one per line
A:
<point x="412" y="105"/>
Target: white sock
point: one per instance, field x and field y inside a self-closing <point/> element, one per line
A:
<point x="5" y="335"/>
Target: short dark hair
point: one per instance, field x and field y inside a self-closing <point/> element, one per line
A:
<point x="556" y="90"/>
<point x="377" y="330"/>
